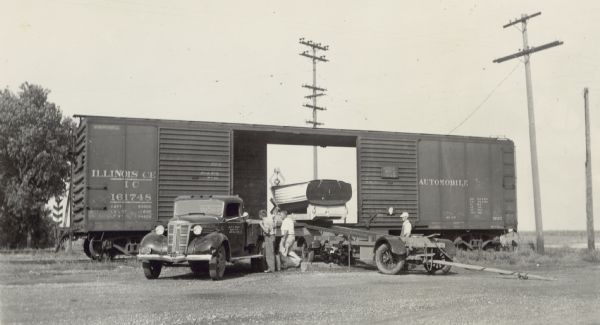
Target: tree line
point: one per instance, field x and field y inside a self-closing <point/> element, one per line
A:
<point x="35" y="161"/>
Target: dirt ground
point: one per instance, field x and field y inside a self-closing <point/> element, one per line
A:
<point x="75" y="290"/>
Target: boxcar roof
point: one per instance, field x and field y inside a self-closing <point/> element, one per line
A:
<point x="285" y="132"/>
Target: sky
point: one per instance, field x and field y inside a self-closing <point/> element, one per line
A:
<point x="422" y="67"/>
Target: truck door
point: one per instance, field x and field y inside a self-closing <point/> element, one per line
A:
<point x="234" y="228"/>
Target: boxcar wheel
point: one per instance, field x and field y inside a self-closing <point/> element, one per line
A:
<point x="216" y="266"/>
<point x="151" y="269"/>
<point x="388" y="262"/>
<point x="86" y="248"/>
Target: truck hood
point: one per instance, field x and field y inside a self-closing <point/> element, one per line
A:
<point x="199" y="218"/>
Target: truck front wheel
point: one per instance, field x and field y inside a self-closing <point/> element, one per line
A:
<point x="151" y="269"/>
<point x="216" y="266"/>
<point x="388" y="262"/>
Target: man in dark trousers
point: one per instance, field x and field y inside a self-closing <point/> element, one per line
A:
<point x="268" y="228"/>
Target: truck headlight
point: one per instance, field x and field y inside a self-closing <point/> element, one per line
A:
<point x="197" y="230"/>
<point x="159" y="230"/>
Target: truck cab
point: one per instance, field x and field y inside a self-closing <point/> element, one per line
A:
<point x="205" y="232"/>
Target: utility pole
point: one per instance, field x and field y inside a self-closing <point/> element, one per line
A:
<point x="526" y="52"/>
<point x="589" y="207"/>
<point x="316" y="91"/>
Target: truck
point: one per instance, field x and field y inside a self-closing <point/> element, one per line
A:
<point x="128" y="172"/>
<point x="205" y="232"/>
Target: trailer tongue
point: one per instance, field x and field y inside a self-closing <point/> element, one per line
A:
<point x="520" y="275"/>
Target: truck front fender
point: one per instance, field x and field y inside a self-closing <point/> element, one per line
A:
<point x="396" y="244"/>
<point x="156" y="243"/>
<point x="209" y="243"/>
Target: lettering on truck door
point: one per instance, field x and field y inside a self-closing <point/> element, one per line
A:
<point x="234" y="228"/>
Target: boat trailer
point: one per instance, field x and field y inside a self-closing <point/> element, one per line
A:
<point x="394" y="254"/>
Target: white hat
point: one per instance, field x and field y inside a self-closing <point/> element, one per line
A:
<point x="404" y="215"/>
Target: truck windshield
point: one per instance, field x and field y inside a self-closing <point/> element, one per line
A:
<point x="192" y="207"/>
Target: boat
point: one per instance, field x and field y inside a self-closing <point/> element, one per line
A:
<point x="295" y="198"/>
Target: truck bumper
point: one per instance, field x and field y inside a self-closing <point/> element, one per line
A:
<point x="174" y="259"/>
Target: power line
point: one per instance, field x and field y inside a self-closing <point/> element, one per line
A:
<point x="484" y="100"/>
<point x="526" y="53"/>
<point x="316" y="91"/>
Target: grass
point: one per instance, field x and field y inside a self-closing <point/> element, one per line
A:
<point x="524" y="256"/>
<point x="21" y="262"/>
<point x="562" y="248"/>
<point x="558" y="238"/>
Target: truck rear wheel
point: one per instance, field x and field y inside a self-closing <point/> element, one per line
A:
<point x="258" y="264"/>
<point x="388" y="262"/>
<point x="216" y="266"/>
<point x="199" y="268"/>
<point x="151" y="269"/>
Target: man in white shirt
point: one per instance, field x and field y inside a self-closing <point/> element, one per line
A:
<point x="287" y="241"/>
<point x="406" y="226"/>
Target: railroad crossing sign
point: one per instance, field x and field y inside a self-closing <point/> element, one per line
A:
<point x="57" y="213"/>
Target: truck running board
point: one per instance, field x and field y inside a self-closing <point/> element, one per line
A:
<point x="245" y="257"/>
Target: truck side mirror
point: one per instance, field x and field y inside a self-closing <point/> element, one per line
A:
<point x="245" y="215"/>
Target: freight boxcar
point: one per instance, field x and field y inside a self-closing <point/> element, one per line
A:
<point x="129" y="171"/>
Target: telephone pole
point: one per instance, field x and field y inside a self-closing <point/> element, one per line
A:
<point x="526" y="53"/>
<point x="316" y="91"/>
<point x="589" y="206"/>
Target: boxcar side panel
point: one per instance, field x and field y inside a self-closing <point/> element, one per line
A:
<point x="461" y="185"/>
<point x="192" y="162"/>
<point x="387" y="178"/>
<point x="121" y="168"/>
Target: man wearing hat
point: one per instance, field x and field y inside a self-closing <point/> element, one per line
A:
<point x="406" y="226"/>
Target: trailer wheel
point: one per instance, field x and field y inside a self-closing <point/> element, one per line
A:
<point x="433" y="269"/>
<point x="311" y="256"/>
<point x="216" y="266"/>
<point x="151" y="269"/>
<point x="388" y="262"/>
<point x="436" y="269"/>
<point x="305" y="250"/>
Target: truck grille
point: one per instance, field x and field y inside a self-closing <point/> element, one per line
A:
<point x="178" y="236"/>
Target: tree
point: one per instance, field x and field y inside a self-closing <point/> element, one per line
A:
<point x="35" y="142"/>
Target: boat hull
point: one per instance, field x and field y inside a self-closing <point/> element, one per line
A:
<point x="295" y="198"/>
